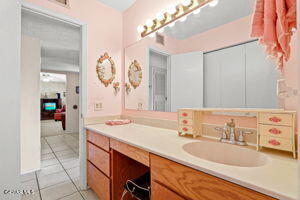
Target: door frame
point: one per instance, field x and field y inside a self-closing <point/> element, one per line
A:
<point x="168" y="55"/>
<point x="82" y="77"/>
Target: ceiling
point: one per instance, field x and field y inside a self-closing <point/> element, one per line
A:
<point x="211" y="17"/>
<point x="60" y="42"/>
<point x="120" y="5"/>
<point x="52" y="77"/>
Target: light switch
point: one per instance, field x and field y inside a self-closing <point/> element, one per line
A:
<point x="98" y="106"/>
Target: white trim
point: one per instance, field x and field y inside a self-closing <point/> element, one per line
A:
<point x="51" y="14"/>
<point x="30" y="171"/>
<point x="83" y="77"/>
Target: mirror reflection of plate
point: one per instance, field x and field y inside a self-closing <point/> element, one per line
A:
<point x="135" y="74"/>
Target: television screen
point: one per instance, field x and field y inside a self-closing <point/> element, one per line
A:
<point x="50" y="106"/>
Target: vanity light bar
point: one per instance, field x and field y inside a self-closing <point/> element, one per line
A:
<point x="173" y="13"/>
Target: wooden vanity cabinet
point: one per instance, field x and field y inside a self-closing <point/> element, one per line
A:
<point x="110" y="163"/>
<point x="160" y="192"/>
<point x="98" y="165"/>
<point x="191" y="184"/>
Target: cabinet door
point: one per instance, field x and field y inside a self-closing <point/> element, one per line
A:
<point x="232" y="70"/>
<point x="159" y="192"/>
<point x="261" y="78"/>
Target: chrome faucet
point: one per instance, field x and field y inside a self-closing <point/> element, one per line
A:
<point x="230" y="127"/>
<point x="232" y="132"/>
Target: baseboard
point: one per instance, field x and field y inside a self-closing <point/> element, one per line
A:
<point x="30" y="171"/>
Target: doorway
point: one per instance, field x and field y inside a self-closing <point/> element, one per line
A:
<point x="60" y="160"/>
<point x="159" y="70"/>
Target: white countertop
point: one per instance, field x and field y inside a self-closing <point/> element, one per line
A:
<point x="278" y="178"/>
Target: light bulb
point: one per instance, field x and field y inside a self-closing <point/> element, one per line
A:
<point x="171" y="24"/>
<point x="186" y="2"/>
<point x="149" y="23"/>
<point x="152" y="35"/>
<point x="140" y="28"/>
<point x="172" y="10"/>
<point x="161" y="30"/>
<point x="160" y="16"/>
<point x="182" y="19"/>
<point x="213" y="3"/>
<point x="197" y="11"/>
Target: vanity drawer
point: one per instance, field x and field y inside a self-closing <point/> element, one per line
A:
<point x="192" y="184"/>
<point x="98" y="139"/>
<point x="98" y="182"/>
<point x="276" y="131"/>
<point x="131" y="151"/>
<point x="276" y="143"/>
<point x="276" y="119"/>
<point x="185" y="114"/>
<point x="159" y="192"/>
<point x="184" y="121"/>
<point x="99" y="157"/>
<point x="186" y="129"/>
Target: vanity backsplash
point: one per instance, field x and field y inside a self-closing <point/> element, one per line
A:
<point x="275" y="128"/>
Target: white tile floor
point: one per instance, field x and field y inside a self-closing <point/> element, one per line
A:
<point x="59" y="175"/>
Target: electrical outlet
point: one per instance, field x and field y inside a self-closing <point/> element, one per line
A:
<point x="98" y="106"/>
<point x="140" y="106"/>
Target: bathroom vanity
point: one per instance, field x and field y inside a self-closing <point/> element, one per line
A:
<point x="276" y="128"/>
<point x="118" y="153"/>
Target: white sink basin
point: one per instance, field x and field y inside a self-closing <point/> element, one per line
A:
<point x="227" y="154"/>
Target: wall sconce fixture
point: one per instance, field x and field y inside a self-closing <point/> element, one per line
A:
<point x="284" y="91"/>
<point x="172" y="14"/>
<point x="116" y="86"/>
<point x="128" y="88"/>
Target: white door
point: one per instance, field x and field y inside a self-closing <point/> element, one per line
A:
<point x="232" y="69"/>
<point x="30" y="104"/>
<point x="261" y="78"/>
<point x="186" y="80"/>
<point x="212" y="81"/>
<point x="159" y="89"/>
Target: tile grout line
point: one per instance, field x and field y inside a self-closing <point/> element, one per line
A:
<point x="67" y="195"/>
<point x="65" y="170"/>
<point x="38" y="184"/>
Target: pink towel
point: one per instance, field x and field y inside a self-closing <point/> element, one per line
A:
<point x="117" y="122"/>
<point x="273" y="21"/>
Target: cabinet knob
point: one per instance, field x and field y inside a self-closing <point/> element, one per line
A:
<point x="275" y="119"/>
<point x="274" y="142"/>
<point x="275" y="131"/>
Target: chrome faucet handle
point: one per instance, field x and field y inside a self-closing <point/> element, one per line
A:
<point x="224" y="132"/>
<point x="241" y="139"/>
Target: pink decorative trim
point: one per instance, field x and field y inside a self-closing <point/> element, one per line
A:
<point x="185" y="129"/>
<point x="275" y="131"/>
<point x="184" y="114"/>
<point x="275" y="119"/>
<point x="274" y="142"/>
<point x="184" y="121"/>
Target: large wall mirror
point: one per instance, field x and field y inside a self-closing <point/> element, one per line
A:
<point x="207" y="60"/>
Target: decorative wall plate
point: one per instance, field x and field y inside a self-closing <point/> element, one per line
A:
<point x="106" y="70"/>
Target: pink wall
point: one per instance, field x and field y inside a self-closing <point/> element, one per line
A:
<point x="231" y="33"/>
<point x="104" y="35"/>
